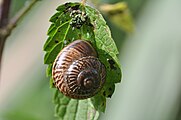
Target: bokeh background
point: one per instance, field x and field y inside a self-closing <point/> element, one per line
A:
<point x="150" y="58"/>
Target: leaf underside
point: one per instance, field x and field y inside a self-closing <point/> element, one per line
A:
<point x="92" y="27"/>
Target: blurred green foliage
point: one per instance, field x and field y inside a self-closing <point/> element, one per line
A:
<point x="16" y="5"/>
<point x="33" y="102"/>
<point x="135" y="7"/>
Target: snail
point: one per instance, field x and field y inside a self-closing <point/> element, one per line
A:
<point x="77" y="72"/>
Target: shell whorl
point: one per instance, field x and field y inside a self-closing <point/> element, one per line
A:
<point x="77" y="72"/>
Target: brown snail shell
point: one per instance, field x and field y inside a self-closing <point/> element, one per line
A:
<point x="77" y="72"/>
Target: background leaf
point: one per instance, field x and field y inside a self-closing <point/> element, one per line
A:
<point x="120" y="15"/>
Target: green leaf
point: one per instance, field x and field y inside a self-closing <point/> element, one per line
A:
<point x="49" y="70"/>
<point x="55" y="16"/>
<point x="71" y="109"/>
<point x="65" y="29"/>
<point x="51" y="55"/>
<point x="65" y="6"/>
<point x="113" y="71"/>
<point x="102" y="33"/>
<point x="99" y="102"/>
<point x="51" y="30"/>
<point x="58" y="36"/>
<point x="51" y="83"/>
<point x="105" y="45"/>
<point x="107" y="52"/>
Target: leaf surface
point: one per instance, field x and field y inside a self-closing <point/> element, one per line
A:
<point x="66" y="28"/>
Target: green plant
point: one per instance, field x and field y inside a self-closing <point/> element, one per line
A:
<point x="76" y="21"/>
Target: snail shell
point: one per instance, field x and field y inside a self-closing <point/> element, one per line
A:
<point x="77" y="72"/>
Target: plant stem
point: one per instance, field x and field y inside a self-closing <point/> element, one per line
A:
<point x="7" y="27"/>
<point x="83" y="2"/>
<point x="5" y="7"/>
<point x="4" y="12"/>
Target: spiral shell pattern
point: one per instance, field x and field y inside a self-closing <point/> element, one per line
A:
<point x="77" y="72"/>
